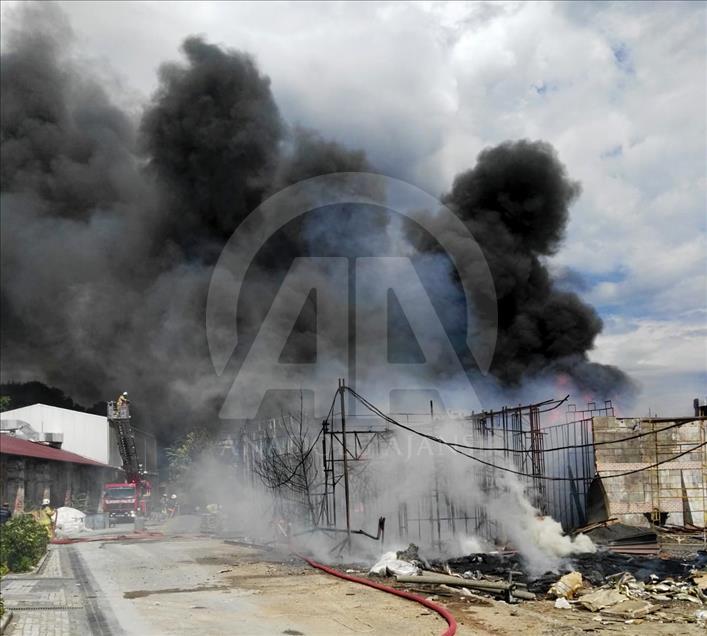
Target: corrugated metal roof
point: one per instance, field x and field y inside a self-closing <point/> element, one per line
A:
<point x="10" y="445"/>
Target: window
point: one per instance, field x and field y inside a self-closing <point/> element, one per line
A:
<point x="120" y="493"/>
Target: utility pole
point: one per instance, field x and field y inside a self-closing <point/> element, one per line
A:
<point x="342" y="387"/>
<point x="436" y="467"/>
<point x="325" y="501"/>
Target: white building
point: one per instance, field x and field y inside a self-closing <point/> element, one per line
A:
<point x="76" y="432"/>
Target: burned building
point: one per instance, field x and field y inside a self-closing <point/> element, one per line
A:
<point x="442" y="480"/>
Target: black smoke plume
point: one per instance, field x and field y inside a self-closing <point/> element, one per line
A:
<point x="211" y="133"/>
<point x="516" y="203"/>
<point x="110" y="226"/>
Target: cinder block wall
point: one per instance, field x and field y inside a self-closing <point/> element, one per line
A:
<point x="677" y="488"/>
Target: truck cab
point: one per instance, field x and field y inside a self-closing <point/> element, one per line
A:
<point x="125" y="501"/>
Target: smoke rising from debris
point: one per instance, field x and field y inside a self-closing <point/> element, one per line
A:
<point x="444" y="503"/>
<point x="110" y="226"/>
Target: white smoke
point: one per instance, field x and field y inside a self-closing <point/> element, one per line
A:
<point x="539" y="539"/>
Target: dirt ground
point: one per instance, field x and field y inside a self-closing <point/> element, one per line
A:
<point x="322" y="603"/>
<point x="541" y="617"/>
<point x="294" y="589"/>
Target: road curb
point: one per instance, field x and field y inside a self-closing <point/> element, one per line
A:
<point x="5" y="620"/>
<point x="40" y="564"/>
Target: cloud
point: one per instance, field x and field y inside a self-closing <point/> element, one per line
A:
<point x="668" y="357"/>
<point x="654" y="345"/>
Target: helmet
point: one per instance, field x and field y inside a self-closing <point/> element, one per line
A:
<point x="125" y="393"/>
<point x="45" y="502"/>
<point x="174" y="496"/>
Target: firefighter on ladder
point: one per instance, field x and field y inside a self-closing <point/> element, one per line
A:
<point x="121" y="404"/>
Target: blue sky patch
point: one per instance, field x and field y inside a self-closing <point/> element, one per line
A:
<point x="614" y="151"/>
<point x="545" y="87"/>
<point x="622" y="57"/>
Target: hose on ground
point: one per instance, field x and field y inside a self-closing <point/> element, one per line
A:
<point x="442" y="611"/>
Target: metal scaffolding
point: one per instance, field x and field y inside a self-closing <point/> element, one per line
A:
<point x="553" y="459"/>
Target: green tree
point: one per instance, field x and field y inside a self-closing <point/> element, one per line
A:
<point x="4" y="403"/>
<point x="183" y="455"/>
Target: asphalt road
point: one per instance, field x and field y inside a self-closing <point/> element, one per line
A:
<point x="165" y="586"/>
<point x="198" y="585"/>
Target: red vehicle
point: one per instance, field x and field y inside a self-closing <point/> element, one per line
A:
<point x="125" y="501"/>
<point x="131" y="499"/>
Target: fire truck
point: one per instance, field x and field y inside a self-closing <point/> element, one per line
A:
<point x="130" y="499"/>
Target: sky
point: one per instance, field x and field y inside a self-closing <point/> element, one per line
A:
<point x="620" y="90"/>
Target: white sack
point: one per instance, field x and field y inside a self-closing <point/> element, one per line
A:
<point x="390" y="565"/>
<point x="69" y="520"/>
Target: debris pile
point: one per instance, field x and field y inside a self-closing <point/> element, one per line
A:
<point x="594" y="568"/>
<point x="618" y="537"/>
<point x="665" y="590"/>
<point x="412" y="570"/>
<point x="615" y="587"/>
<point x="622" y="597"/>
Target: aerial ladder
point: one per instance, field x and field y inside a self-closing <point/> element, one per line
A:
<point x="129" y="499"/>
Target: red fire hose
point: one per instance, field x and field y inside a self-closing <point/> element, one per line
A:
<point x="442" y="611"/>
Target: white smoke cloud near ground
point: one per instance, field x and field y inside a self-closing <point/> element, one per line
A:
<point x="410" y="472"/>
<point x="405" y="472"/>
<point x="539" y="539"/>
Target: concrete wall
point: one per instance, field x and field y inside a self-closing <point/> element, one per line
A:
<point x="675" y="491"/>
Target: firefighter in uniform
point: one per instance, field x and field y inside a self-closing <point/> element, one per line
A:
<point x="121" y="404"/>
<point x="45" y="516"/>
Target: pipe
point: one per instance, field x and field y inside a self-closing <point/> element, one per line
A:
<point x="439" y="579"/>
<point x="482" y="586"/>
<point x="524" y="594"/>
<point x="442" y="611"/>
